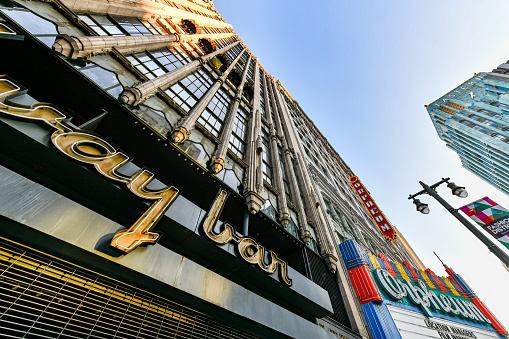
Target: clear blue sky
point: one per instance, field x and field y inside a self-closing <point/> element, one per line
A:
<point x="363" y="71"/>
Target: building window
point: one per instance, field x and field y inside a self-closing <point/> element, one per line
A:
<point x="293" y="226"/>
<point x="189" y="90"/>
<point x="339" y="237"/>
<point x="234" y="52"/>
<point x="42" y="29"/>
<point x="270" y="206"/>
<point x="313" y="244"/>
<point x="285" y="177"/>
<point x="156" y="63"/>
<point x="131" y="26"/>
<point x="262" y="96"/>
<point x="329" y="209"/>
<point x="213" y="116"/>
<point x="115" y="25"/>
<point x="266" y="160"/>
<point x="238" y="137"/>
<point x="155" y="27"/>
<point x="103" y="78"/>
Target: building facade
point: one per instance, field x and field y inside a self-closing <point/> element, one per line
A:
<point x="157" y="182"/>
<point x="473" y="121"/>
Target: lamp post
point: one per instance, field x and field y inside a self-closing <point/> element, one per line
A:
<point x="462" y="193"/>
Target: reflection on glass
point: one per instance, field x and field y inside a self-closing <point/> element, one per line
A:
<point x="107" y="80"/>
<point x="34" y="24"/>
<point x="196" y="151"/>
<point x="101" y="76"/>
<point x="229" y="177"/>
<point x="313" y="245"/>
<point x="31" y="22"/>
<point x="293" y="229"/>
<point x="270" y="210"/>
<point x="115" y="91"/>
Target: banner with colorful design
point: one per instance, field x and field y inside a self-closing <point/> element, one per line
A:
<point x="490" y="216"/>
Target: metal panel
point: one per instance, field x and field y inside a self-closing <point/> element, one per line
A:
<point x="44" y="210"/>
<point x="321" y="275"/>
<point x="43" y="298"/>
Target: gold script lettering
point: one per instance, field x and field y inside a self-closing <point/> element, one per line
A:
<point x="249" y="249"/>
<point x="92" y="149"/>
<point x="141" y="231"/>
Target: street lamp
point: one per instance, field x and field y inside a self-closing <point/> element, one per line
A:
<point x="421" y="207"/>
<point x="458" y="191"/>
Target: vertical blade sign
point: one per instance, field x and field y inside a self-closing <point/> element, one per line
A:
<point x="373" y="210"/>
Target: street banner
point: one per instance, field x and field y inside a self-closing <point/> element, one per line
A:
<point x="490" y="216"/>
<point x="377" y="215"/>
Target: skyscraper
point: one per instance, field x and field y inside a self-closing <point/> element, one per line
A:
<point x="157" y="182"/>
<point x="473" y="121"/>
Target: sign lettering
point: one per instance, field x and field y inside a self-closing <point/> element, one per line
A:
<point x="375" y="213"/>
<point x="249" y="249"/>
<point x="90" y="148"/>
<point x="447" y="331"/>
<point x="426" y="299"/>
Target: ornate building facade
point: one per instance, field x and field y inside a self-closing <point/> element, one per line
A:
<point x="156" y="181"/>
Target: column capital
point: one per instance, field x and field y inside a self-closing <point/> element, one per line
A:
<point x="305" y="235"/>
<point x="284" y="218"/>
<point x="180" y="134"/>
<point x="254" y="201"/>
<point x="130" y="96"/>
<point x="331" y="261"/>
<point x="216" y="164"/>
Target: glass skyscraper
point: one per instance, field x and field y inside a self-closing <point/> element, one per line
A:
<point x="473" y="121"/>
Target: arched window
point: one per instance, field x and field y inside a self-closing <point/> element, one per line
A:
<point x="206" y="45"/>
<point x="189" y="26"/>
<point x="235" y="78"/>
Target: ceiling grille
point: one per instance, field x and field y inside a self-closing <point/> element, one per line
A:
<point x="43" y="298"/>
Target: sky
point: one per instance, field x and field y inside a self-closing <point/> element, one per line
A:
<point x="363" y="71"/>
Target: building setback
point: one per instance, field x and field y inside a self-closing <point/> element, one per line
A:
<point x="157" y="182"/>
<point x="473" y="121"/>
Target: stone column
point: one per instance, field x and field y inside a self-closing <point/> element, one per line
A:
<point x="182" y="131"/>
<point x="325" y="241"/>
<point x="139" y="93"/>
<point x="217" y="162"/>
<point x="284" y="215"/>
<point x="86" y="46"/>
<point x="290" y="173"/>
<point x="253" y="179"/>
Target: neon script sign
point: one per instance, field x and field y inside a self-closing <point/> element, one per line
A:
<point x="93" y="149"/>
<point x="427" y="299"/>
<point x="249" y="249"/>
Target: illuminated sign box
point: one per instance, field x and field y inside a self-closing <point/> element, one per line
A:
<point x="399" y="306"/>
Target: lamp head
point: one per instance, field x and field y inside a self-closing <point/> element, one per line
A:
<point x="458" y="190"/>
<point x="421" y="207"/>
